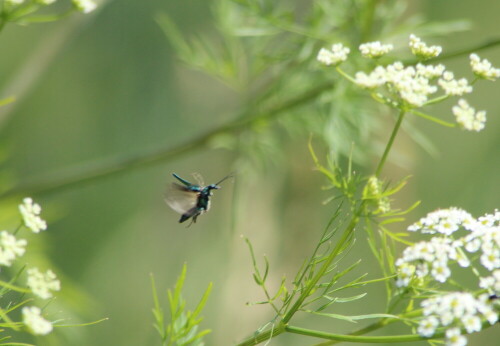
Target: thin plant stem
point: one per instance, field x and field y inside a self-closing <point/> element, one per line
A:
<point x="389" y="144"/>
<point x="306" y="292"/>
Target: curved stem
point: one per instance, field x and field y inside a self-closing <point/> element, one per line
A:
<point x="355" y="338"/>
<point x="389" y="144"/>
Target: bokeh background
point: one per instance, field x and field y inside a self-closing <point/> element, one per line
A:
<point x="108" y="86"/>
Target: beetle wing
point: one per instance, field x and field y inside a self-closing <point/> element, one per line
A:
<point x="180" y="198"/>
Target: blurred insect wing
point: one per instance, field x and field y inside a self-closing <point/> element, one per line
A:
<point x="181" y="199"/>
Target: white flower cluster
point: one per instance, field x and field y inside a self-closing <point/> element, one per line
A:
<point x="42" y="284"/>
<point x="31" y="215"/>
<point x="375" y="49"/>
<point x="421" y="50"/>
<point x="335" y="56"/>
<point x="454" y="87"/>
<point x="408" y="83"/>
<point x="407" y="87"/>
<point x="85" y="6"/>
<point x="444" y="221"/>
<point x="467" y="117"/>
<point x="10" y="248"/>
<point x="33" y="319"/>
<point x="455" y="311"/>
<point x="483" y="68"/>
<point x="432" y="257"/>
<point x="485" y="238"/>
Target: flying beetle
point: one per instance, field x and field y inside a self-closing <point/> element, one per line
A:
<point x="189" y="199"/>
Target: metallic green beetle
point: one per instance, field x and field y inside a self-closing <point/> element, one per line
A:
<point x="188" y="199"/>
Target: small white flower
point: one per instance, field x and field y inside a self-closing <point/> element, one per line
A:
<point x="491" y="283"/>
<point x="440" y="271"/>
<point x="85" y="6"/>
<point x="405" y="274"/>
<point x="491" y="316"/>
<point x="31" y="215"/>
<point x="490" y="259"/>
<point x="35" y="322"/>
<point x="10" y="248"/>
<point x="471" y="323"/>
<point x="42" y="284"/>
<point x="483" y="68"/>
<point x="428" y="326"/>
<point x="473" y="244"/>
<point x="375" y="49"/>
<point x="335" y="56"/>
<point x="421" y="50"/>
<point x="467" y="117"/>
<point x="454" y="338"/>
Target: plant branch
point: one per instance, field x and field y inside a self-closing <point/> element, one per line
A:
<point x="85" y="175"/>
<point x="360" y="339"/>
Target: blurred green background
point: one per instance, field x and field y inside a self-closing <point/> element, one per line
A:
<point x="105" y="86"/>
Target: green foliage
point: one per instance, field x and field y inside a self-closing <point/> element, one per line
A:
<point x="182" y="329"/>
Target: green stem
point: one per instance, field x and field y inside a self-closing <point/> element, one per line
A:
<point x="389" y="144"/>
<point x="431" y="118"/>
<point x="85" y="175"/>
<point x="355" y="338"/>
<point x="312" y="284"/>
<point x="268" y="334"/>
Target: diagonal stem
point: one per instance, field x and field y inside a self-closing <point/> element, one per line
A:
<point x="390" y="143"/>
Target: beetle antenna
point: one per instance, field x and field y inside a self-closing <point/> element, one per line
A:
<point x="226" y="177"/>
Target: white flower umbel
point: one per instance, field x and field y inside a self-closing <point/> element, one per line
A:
<point x="335" y="56"/>
<point x="375" y="49"/>
<point x="85" y="6"/>
<point x="467" y="117"/>
<point x="444" y="221"/>
<point x="455" y="311"/>
<point x="35" y="322"/>
<point x="42" y="284"/>
<point x="483" y="68"/>
<point x="406" y="83"/>
<point x="432" y="257"/>
<point x="31" y="215"/>
<point x="421" y="50"/>
<point x="10" y="248"/>
<point x="452" y="86"/>
<point x="427" y="257"/>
